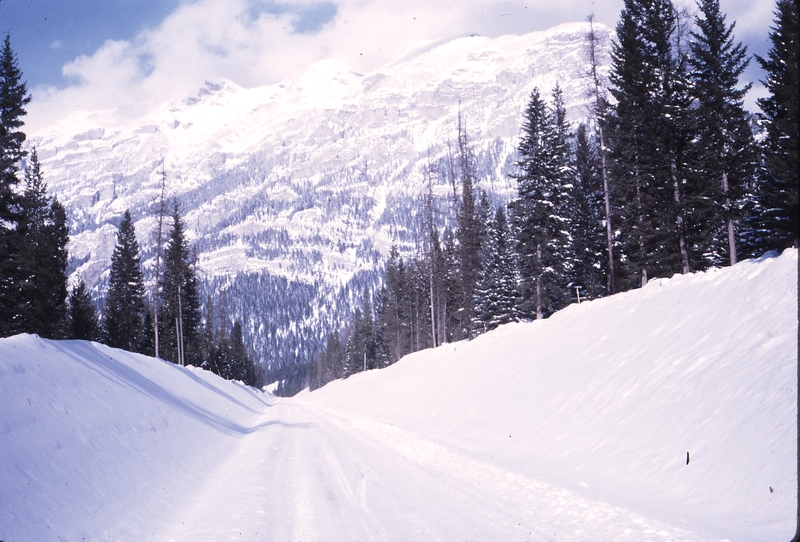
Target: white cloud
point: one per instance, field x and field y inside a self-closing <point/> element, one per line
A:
<point x="208" y="40"/>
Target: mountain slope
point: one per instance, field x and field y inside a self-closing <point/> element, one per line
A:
<point x="572" y="428"/>
<point x="311" y="182"/>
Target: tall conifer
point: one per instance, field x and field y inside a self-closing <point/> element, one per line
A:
<point x="778" y="192"/>
<point x="180" y="314"/>
<point x="724" y="146"/>
<point x="42" y="262"/>
<point x="13" y="99"/>
<point x="538" y="229"/>
<point x="82" y="314"/>
<point x="123" y="324"/>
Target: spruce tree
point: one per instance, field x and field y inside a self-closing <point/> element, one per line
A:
<point x="42" y="262"/>
<point x="180" y="311"/>
<point x="724" y="143"/>
<point x="468" y="236"/>
<point x="536" y="213"/>
<point x="82" y="315"/>
<point x="496" y="299"/>
<point x="600" y="109"/>
<point x="240" y="362"/>
<point x="13" y="99"/>
<point x="123" y="323"/>
<point x="361" y="346"/>
<point x="649" y="138"/>
<point x="591" y="274"/>
<point x="777" y="195"/>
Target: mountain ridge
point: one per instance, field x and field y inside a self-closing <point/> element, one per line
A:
<point x="313" y="181"/>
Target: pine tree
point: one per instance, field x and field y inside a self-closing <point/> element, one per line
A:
<point x="600" y="109"/>
<point x="588" y="225"/>
<point x="468" y="236"/>
<point x="42" y="263"/>
<point x="496" y="298"/>
<point x="539" y="228"/>
<point x="13" y="99"/>
<point x="82" y="315"/>
<point x="242" y="367"/>
<point x="778" y="191"/>
<point x="361" y="345"/>
<point x="566" y="210"/>
<point x="649" y="137"/>
<point x="123" y="323"/>
<point x="724" y="146"/>
<point x="180" y="314"/>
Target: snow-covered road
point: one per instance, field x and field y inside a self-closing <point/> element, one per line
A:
<point x="574" y="428"/>
<point x="307" y="474"/>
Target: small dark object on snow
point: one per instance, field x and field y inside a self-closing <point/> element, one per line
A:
<point x="687" y="458"/>
<point x="770" y="489"/>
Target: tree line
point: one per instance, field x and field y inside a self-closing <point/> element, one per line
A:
<point x="669" y="174"/>
<point x="169" y="323"/>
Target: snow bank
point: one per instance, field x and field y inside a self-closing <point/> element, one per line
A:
<point x="97" y="443"/>
<point x="608" y="397"/>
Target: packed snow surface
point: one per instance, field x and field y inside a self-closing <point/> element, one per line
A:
<point x="572" y="428"/>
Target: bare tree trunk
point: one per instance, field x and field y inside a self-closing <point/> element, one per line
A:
<point x="729" y="220"/>
<point x="679" y="219"/>
<point x="161" y="211"/>
<point x="640" y="221"/>
<point x="612" y="278"/>
<point x="539" y="284"/>
<point x="431" y="249"/>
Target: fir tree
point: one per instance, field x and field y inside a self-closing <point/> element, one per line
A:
<point x="725" y="158"/>
<point x="82" y="315"/>
<point x="13" y="99"/>
<point x="778" y="193"/>
<point x="496" y="299"/>
<point x="42" y="263"/>
<point x="468" y="236"/>
<point x="123" y="323"/>
<point x="650" y="137"/>
<point x="600" y="109"/>
<point x="539" y="228"/>
<point x="180" y="314"/>
<point x="591" y="273"/>
<point x="239" y="360"/>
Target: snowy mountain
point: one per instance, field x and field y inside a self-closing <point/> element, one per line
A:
<point x="572" y="428"/>
<point x="307" y="184"/>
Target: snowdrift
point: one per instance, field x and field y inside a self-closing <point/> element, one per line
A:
<point x="609" y="397"/>
<point x="603" y="400"/>
<point x="100" y="444"/>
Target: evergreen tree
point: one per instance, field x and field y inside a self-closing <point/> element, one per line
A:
<point x="725" y="157"/>
<point x="361" y="345"/>
<point x="650" y="137"/>
<point x="496" y="298"/>
<point x="539" y="228"/>
<point x="82" y="315"/>
<point x="42" y="263"/>
<point x="591" y="272"/>
<point x="468" y="236"/>
<point x="180" y="314"/>
<point x="242" y="367"/>
<point x="777" y="196"/>
<point x="600" y="109"/>
<point x="13" y="99"/>
<point x="123" y="323"/>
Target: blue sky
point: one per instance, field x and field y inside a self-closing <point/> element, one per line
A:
<point x="47" y="34"/>
<point x="134" y="54"/>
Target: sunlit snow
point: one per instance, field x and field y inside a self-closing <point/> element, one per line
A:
<point x="572" y="428"/>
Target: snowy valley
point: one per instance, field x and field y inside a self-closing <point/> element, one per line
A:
<point x="298" y="191"/>
<point x="662" y="413"/>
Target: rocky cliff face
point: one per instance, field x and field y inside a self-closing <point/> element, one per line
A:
<point x="312" y="182"/>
